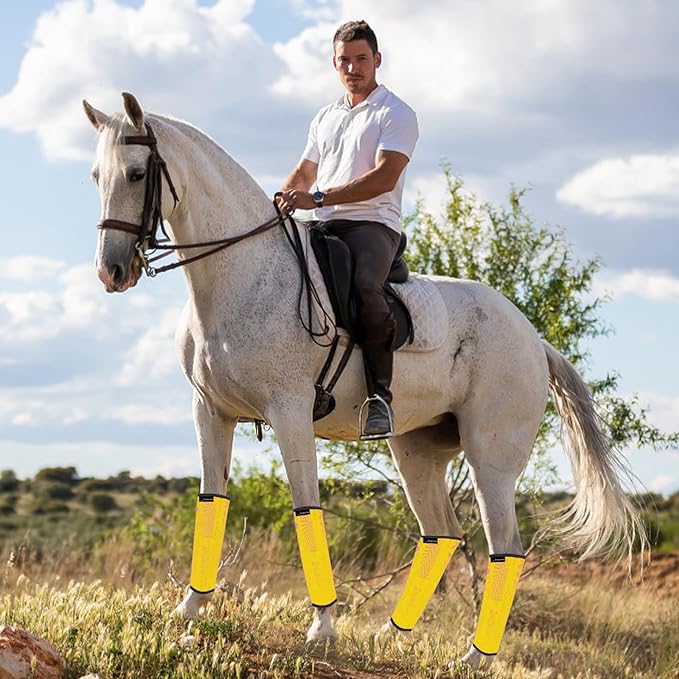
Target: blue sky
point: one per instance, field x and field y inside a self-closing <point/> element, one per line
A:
<point x="584" y="113"/>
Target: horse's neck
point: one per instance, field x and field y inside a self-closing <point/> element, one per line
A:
<point x="219" y="200"/>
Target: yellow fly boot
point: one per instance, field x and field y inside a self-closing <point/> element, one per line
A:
<point x="208" y="536"/>
<point x="430" y="561"/>
<point x="502" y="580"/>
<point x="313" y="548"/>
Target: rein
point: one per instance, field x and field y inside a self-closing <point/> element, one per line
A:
<point x="152" y="219"/>
<point x="151" y="216"/>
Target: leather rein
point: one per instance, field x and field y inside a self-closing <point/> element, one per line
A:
<point x="151" y="217"/>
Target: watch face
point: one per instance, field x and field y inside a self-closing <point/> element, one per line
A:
<point x="318" y="196"/>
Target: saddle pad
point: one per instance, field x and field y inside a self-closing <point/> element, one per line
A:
<point x="428" y="311"/>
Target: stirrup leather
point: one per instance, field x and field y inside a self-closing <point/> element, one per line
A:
<point x="361" y="429"/>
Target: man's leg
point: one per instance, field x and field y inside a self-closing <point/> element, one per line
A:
<point x="373" y="247"/>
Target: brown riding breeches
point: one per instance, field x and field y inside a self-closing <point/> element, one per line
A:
<point x="373" y="247"/>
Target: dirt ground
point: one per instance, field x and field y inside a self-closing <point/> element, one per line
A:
<point x="660" y="575"/>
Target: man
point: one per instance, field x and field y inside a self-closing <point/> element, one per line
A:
<point x="356" y="155"/>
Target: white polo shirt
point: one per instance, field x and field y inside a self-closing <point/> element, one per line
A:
<point x="344" y="142"/>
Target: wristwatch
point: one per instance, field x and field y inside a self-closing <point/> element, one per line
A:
<point x="318" y="197"/>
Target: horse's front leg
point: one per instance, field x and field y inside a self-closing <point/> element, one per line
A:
<point x="294" y="430"/>
<point x="215" y="440"/>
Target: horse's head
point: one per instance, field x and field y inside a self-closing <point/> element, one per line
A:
<point x="119" y="172"/>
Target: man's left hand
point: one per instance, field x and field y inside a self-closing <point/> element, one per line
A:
<point x="293" y="199"/>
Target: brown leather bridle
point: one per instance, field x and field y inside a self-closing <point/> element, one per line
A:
<point x="152" y="218"/>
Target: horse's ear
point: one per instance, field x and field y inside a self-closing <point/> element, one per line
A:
<point x="97" y="118"/>
<point x="133" y="111"/>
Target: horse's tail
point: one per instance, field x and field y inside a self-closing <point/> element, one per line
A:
<point x="601" y="520"/>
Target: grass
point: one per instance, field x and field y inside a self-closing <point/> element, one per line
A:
<point x="556" y="631"/>
<point x="96" y="586"/>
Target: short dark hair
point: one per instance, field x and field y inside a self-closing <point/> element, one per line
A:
<point x="356" y="30"/>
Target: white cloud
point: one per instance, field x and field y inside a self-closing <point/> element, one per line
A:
<point x="37" y="315"/>
<point x="637" y="186"/>
<point x="136" y="380"/>
<point x="29" y="268"/>
<point x="153" y="354"/>
<point x="75" y="401"/>
<point x="316" y="10"/>
<point x="665" y="484"/>
<point x="463" y="56"/>
<point x="193" y="61"/>
<point x="658" y="286"/>
<point x="207" y="64"/>
<point x="663" y="410"/>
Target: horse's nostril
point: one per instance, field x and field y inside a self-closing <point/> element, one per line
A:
<point x="117" y="273"/>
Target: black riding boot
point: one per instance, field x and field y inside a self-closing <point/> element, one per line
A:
<point x="378" y="361"/>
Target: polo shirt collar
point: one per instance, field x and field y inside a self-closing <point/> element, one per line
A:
<point x="372" y="99"/>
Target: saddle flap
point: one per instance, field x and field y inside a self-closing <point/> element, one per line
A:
<point x="334" y="261"/>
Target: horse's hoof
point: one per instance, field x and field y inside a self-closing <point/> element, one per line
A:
<point x="179" y="613"/>
<point x="321" y="629"/>
<point x="317" y="633"/>
<point x="191" y="606"/>
<point x="390" y="633"/>
<point x="475" y="659"/>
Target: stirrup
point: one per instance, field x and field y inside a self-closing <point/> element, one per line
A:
<point x="370" y="437"/>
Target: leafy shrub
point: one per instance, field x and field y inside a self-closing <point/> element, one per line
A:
<point x="8" y="504"/>
<point x="8" y="481"/>
<point x="102" y="502"/>
<point x="66" y="475"/>
<point x="46" y="506"/>
<point x="87" y="486"/>
<point x="55" y="490"/>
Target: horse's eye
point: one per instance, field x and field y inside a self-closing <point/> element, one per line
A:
<point x="95" y="176"/>
<point x="136" y="175"/>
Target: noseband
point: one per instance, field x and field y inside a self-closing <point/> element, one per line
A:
<point x="152" y="218"/>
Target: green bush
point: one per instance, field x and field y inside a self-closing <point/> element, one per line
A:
<point x="67" y="475"/>
<point x="87" y="486"/>
<point x="54" y="490"/>
<point x="8" y="503"/>
<point x="40" y="506"/>
<point x="102" y="502"/>
<point x="8" y="481"/>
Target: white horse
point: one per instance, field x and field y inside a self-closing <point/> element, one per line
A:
<point x="246" y="354"/>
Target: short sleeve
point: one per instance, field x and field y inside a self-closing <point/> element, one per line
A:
<point x="399" y="131"/>
<point x="311" y="151"/>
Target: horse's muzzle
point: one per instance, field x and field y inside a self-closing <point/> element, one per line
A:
<point x="117" y="277"/>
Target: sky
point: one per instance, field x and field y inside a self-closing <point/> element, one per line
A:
<point x="574" y="99"/>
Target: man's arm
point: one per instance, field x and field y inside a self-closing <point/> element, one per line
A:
<point x="381" y="179"/>
<point x="302" y="177"/>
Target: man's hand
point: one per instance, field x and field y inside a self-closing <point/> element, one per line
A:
<point x="294" y="199"/>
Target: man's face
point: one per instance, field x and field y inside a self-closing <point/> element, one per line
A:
<point x="356" y="65"/>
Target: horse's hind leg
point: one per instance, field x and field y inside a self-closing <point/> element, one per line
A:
<point x="421" y="458"/>
<point x="496" y="460"/>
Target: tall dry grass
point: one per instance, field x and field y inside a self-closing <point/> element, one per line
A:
<point x="108" y="613"/>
